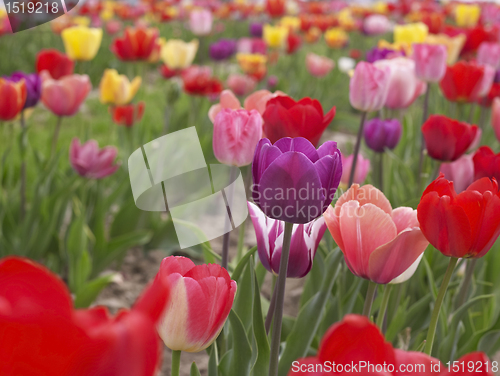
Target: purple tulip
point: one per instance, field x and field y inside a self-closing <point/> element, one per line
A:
<point x="381" y="134"/>
<point x="222" y="49"/>
<point x="256" y="29"/>
<point x="293" y="181"/>
<point x="91" y="162"/>
<point x="303" y="246"/>
<point x="381" y="54"/>
<point x="33" y="86"/>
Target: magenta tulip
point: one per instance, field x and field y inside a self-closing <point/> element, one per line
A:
<point x="368" y="88"/>
<point x="430" y="61"/>
<point x="91" y="162"/>
<point x="236" y="134"/>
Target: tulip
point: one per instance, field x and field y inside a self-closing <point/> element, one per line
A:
<point x="380" y="54"/>
<point x="251" y="46"/>
<point x="304" y="243"/>
<point x="81" y="43"/>
<point x="64" y="97"/>
<point x="319" y="66"/>
<point x="293" y="43"/>
<point x="12" y="98"/>
<point x="369" y="86"/>
<point x="362" y="169"/>
<point x="275" y="8"/>
<point x="285" y="117"/>
<point x="198" y="80"/>
<point x="488" y="53"/>
<point x="484" y="365"/>
<point x="467" y="15"/>
<point x="241" y="84"/>
<point x="460" y="172"/>
<point x="376" y="24"/>
<point x="336" y="37"/>
<point x="55" y="62"/>
<point x="222" y="49"/>
<point x="200" y="21"/>
<point x="404" y="86"/>
<point x="91" y="162"/>
<point x="33" y="84"/>
<point x="201" y="298"/>
<point x="127" y="115"/>
<point x="290" y="22"/>
<point x="410" y="33"/>
<point x="275" y="36"/>
<point x="137" y="43"/>
<point x="256" y="29"/>
<point x="430" y="61"/>
<point x="258" y="100"/>
<point x="447" y="139"/>
<point x="486" y="82"/>
<point x="236" y="134"/>
<point x="381" y="134"/>
<point x="41" y="331"/>
<point x="379" y="243"/>
<point x="113" y="27"/>
<point x="272" y="82"/>
<point x="495" y="117"/>
<point x="462" y="82"/>
<point x="253" y="64"/>
<point x="453" y="45"/>
<point x="177" y="54"/>
<point x="292" y="166"/>
<point x="116" y="89"/>
<point x="486" y="164"/>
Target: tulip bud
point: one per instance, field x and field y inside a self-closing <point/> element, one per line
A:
<point x="369" y="87"/>
<point x="236" y="134"/>
<point x="430" y="61"/>
<point x="381" y="134"/>
<point x="201" y="298"/>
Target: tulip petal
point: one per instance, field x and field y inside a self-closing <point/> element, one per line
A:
<point x="367" y="194"/>
<point x="265" y="154"/>
<point x="414" y="359"/>
<point x="329" y="170"/>
<point x="299" y="144"/>
<point x="404" y="218"/>
<point x="333" y="224"/>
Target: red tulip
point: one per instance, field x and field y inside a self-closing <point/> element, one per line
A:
<point x="198" y="80"/>
<point x="461" y="225"/>
<point x="136" y="44"/>
<point x="285" y="117"/>
<point x="494" y="92"/>
<point x="64" y="97"/>
<point x="275" y="8"/>
<point x="473" y="364"/>
<point x="12" y="98"/>
<point x="128" y="114"/>
<point x="293" y="43"/>
<point x="56" y="63"/>
<point x="486" y="164"/>
<point x="447" y="139"/>
<point x="41" y="333"/>
<point x="462" y="82"/>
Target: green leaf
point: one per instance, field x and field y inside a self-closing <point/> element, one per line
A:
<point x="309" y="318"/>
<point x="259" y="331"/>
<point x="241" y="265"/>
<point x="243" y="302"/>
<point x="242" y="351"/>
<point x="194" y="370"/>
<point x="78" y="257"/>
<point x="88" y="293"/>
<point x="490" y="343"/>
<point x="213" y="360"/>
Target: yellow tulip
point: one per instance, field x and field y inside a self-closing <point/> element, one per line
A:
<point x="81" y="21"/>
<point x="410" y="33"/>
<point x="291" y="23"/>
<point x="116" y="88"/>
<point x="252" y="64"/>
<point x="346" y="19"/>
<point x="381" y="7"/>
<point x="467" y="15"/>
<point x="177" y="54"/>
<point x="336" y="37"/>
<point x="107" y="14"/>
<point x="275" y="36"/>
<point x="453" y="44"/>
<point x="81" y="42"/>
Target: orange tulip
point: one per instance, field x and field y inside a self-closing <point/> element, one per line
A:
<point x="12" y="98"/>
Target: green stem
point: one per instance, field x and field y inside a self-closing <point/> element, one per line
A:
<point x="422" y="140"/>
<point x="56" y="136"/>
<point x="437" y="306"/>
<point x="370" y="294"/>
<point x="381" y="171"/>
<point x="280" y="299"/>
<point x="464" y="288"/>
<point x="383" y="307"/>
<point x="176" y="363"/>
<point x="356" y="149"/>
<point x="23" y="166"/>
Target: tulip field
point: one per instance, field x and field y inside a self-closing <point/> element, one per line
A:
<point x="240" y="188"/>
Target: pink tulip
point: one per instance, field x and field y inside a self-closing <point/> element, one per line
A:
<point x="200" y="21"/>
<point x="376" y="24"/>
<point x="430" y="61"/>
<point x="379" y="243"/>
<point x="460" y="172"/>
<point x="495" y="117"/>
<point x="319" y="66"/>
<point x="368" y="88"/>
<point x="201" y="298"/>
<point x="486" y="81"/>
<point x="227" y="99"/>
<point x="404" y="86"/>
<point x="91" y="162"/>
<point x="362" y="169"/>
<point x="241" y="84"/>
<point x="236" y="134"/>
<point x="64" y="96"/>
<point x="488" y="53"/>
